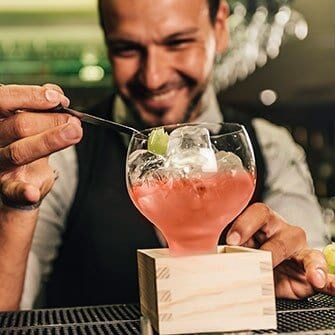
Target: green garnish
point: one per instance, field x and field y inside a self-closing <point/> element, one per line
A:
<point x="158" y="141"/>
<point x="329" y="253"/>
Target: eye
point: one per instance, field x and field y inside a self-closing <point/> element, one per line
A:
<point x="180" y="42"/>
<point x="124" y="49"/>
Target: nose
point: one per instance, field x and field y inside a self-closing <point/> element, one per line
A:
<point x="154" y="72"/>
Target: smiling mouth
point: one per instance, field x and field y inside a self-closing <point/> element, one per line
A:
<point x="162" y="96"/>
<point x="159" y="101"/>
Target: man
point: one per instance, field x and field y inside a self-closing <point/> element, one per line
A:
<point x="86" y="232"/>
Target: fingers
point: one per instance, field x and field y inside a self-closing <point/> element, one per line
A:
<point x="316" y="270"/>
<point x="315" y="267"/>
<point x="26" y="124"/>
<point x="303" y="275"/>
<point x="329" y="288"/>
<point x="15" y="97"/>
<point x="257" y="217"/>
<point x="30" y="185"/>
<point x="31" y="148"/>
<point x="21" y="192"/>
<point x="285" y="243"/>
<point x="54" y="87"/>
<point x="290" y="281"/>
<point x="26" y="137"/>
<point x="260" y="227"/>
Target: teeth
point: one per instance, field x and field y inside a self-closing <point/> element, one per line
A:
<point x="164" y="96"/>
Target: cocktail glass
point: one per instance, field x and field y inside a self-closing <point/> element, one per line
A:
<point x="191" y="181"/>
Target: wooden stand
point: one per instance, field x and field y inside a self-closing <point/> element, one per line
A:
<point x="228" y="291"/>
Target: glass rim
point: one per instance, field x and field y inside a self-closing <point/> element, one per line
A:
<point x="239" y="127"/>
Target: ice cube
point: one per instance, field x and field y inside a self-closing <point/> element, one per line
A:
<point x="190" y="149"/>
<point x="143" y="164"/>
<point x="188" y="137"/>
<point x="228" y="161"/>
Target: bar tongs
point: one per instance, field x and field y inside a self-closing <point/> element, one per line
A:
<point x="92" y="119"/>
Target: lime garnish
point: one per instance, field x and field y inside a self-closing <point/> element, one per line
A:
<point x="329" y="253"/>
<point x="158" y="141"/>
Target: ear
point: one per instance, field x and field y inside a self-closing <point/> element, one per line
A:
<point x="221" y="27"/>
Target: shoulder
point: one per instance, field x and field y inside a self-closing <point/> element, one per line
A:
<point x="277" y="144"/>
<point x="268" y="132"/>
<point x="283" y="156"/>
<point x="276" y="139"/>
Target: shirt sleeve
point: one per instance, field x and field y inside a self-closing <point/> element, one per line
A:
<point x="51" y="223"/>
<point x="289" y="186"/>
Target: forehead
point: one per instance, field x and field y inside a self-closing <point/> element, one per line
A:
<point x="154" y="17"/>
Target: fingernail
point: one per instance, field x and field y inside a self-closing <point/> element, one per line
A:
<point x="71" y="131"/>
<point x="234" y="238"/>
<point x="65" y="101"/>
<point x="52" y="95"/>
<point x="320" y="278"/>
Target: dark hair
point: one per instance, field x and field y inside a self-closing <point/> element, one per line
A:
<point x="213" y="6"/>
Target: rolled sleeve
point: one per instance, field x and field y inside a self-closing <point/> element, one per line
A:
<point x="51" y="224"/>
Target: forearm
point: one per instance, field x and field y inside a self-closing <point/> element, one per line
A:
<point x="16" y="232"/>
<point x="27" y="139"/>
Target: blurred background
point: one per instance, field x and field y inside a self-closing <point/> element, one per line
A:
<point x="280" y="65"/>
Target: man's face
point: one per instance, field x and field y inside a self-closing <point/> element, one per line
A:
<point x="162" y="53"/>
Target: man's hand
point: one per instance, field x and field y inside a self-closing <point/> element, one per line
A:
<point x="28" y="138"/>
<point x="298" y="270"/>
<point x="303" y="275"/>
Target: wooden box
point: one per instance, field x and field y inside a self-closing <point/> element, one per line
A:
<point x="228" y="291"/>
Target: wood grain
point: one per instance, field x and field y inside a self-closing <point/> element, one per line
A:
<point x="228" y="291"/>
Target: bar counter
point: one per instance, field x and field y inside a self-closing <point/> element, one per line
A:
<point x="314" y="315"/>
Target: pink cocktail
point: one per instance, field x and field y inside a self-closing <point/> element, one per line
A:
<point x="191" y="199"/>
